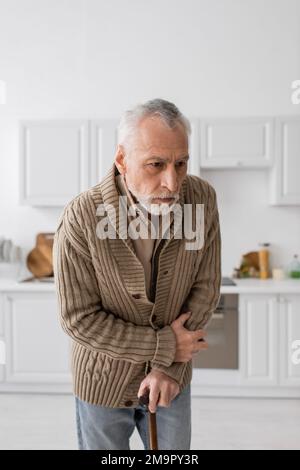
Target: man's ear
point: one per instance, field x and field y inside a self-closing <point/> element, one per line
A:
<point x="120" y="161"/>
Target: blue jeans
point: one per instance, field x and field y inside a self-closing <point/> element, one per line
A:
<point x="103" y="428"/>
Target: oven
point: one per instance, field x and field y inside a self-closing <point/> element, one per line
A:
<point x="222" y="337"/>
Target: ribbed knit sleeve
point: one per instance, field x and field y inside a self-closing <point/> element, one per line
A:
<point x="204" y="295"/>
<point x="83" y="318"/>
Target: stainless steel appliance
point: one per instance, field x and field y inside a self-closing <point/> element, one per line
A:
<point x="222" y="335"/>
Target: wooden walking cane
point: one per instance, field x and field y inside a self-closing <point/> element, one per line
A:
<point x="144" y="401"/>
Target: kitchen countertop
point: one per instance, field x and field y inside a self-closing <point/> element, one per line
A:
<point x="12" y="285"/>
<point x="243" y="286"/>
<point x="266" y="286"/>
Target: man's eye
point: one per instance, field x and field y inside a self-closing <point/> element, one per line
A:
<point x="183" y="163"/>
<point x="156" y="164"/>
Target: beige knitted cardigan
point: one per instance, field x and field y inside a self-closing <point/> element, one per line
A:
<point x="117" y="333"/>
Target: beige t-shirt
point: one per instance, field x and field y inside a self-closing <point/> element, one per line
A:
<point x="144" y="247"/>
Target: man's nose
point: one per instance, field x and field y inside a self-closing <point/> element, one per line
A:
<point x="170" y="180"/>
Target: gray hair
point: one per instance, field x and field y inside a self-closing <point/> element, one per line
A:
<point x="165" y="110"/>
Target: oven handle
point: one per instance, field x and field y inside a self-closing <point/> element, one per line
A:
<point x="217" y="316"/>
<point x="220" y="314"/>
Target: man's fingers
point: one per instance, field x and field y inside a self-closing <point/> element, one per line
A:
<point x="153" y="399"/>
<point x="143" y="389"/>
<point x="183" y="317"/>
<point x="200" y="346"/>
<point x="199" y="334"/>
<point x="164" y="400"/>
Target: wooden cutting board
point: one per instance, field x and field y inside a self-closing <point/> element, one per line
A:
<point x="39" y="260"/>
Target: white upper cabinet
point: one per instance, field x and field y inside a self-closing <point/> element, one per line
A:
<point x="237" y="142"/>
<point x="60" y="159"/>
<point x="194" y="150"/>
<point x="103" y="147"/>
<point x="54" y="161"/>
<point x="285" y="175"/>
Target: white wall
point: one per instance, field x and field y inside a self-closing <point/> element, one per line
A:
<point x="95" y="58"/>
<point x="247" y="219"/>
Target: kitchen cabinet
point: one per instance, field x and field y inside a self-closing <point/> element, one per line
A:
<point x="1" y="315"/>
<point x="268" y="326"/>
<point x="2" y="358"/>
<point x="236" y="142"/>
<point x="2" y="342"/>
<point x="194" y="149"/>
<point x="104" y="139"/>
<point x="61" y="158"/>
<point x="54" y="161"/>
<point x="284" y="177"/>
<point x="258" y="348"/>
<point x="37" y="349"/>
<point x="269" y="323"/>
<point x="289" y="328"/>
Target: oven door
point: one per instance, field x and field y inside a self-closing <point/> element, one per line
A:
<point x="222" y="337"/>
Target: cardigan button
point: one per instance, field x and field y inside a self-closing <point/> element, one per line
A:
<point x="154" y="317"/>
<point x="128" y="403"/>
<point x="136" y="296"/>
<point x="166" y="272"/>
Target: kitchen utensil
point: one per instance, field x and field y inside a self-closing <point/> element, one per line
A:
<point x="39" y="260"/>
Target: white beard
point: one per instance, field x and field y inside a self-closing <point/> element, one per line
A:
<point x="156" y="209"/>
<point x="153" y="208"/>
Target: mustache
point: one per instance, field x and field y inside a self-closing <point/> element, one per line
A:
<point x="164" y="196"/>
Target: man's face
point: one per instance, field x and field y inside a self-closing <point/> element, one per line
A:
<point x="155" y="164"/>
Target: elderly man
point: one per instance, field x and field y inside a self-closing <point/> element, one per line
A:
<point x="136" y="306"/>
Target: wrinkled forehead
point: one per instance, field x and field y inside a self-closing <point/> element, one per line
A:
<point x="153" y="134"/>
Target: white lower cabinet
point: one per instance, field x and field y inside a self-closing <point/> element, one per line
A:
<point x="37" y="350"/>
<point x="269" y="325"/>
<point x="289" y="327"/>
<point x="259" y="340"/>
<point x="2" y="341"/>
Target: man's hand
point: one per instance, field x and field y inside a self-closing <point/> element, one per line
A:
<point x="162" y="389"/>
<point x="187" y="342"/>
